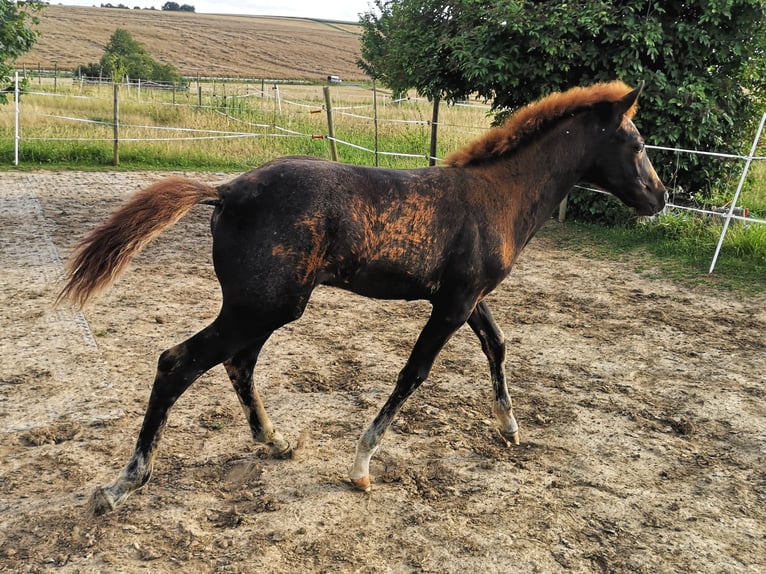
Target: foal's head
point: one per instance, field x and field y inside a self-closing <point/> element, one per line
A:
<point x="619" y="165"/>
<point x="622" y="166"/>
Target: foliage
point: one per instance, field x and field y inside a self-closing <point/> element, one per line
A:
<point x="703" y="61"/>
<point x="175" y="7"/>
<point x="406" y="47"/>
<point x="589" y="206"/>
<point x="124" y="56"/>
<point x="16" y="36"/>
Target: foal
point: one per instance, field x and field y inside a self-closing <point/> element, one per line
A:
<point x="448" y="235"/>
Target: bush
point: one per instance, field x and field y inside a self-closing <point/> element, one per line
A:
<point x="703" y="62"/>
<point x="588" y="206"/>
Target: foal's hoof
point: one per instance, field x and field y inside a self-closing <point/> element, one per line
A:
<point x="362" y="484"/>
<point x="102" y="501"/>
<point x="283" y="454"/>
<point x="511" y="438"/>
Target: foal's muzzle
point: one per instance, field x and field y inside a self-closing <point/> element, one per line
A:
<point x="653" y="201"/>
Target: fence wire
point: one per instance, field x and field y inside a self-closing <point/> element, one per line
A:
<point x="727" y="212"/>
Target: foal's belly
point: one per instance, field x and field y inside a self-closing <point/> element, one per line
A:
<point x="381" y="285"/>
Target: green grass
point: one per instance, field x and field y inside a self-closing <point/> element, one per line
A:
<point x="679" y="247"/>
<point x="754" y="191"/>
<point x="50" y="138"/>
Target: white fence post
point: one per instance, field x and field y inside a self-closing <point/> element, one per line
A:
<point x="278" y="97"/>
<point x="17" y="135"/>
<point x="736" y="194"/>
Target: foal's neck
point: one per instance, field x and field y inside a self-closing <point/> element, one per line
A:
<point x="558" y="161"/>
<point x="536" y="178"/>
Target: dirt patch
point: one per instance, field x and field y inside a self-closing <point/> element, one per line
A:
<point x="641" y="405"/>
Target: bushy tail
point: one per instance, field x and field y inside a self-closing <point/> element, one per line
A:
<point x="104" y="254"/>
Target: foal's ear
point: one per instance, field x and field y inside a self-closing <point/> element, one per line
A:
<point x="627" y="102"/>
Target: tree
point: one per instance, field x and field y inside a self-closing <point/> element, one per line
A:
<point x="175" y="7"/>
<point x="702" y="60"/>
<point x="405" y="47"/>
<point x="16" y="36"/>
<point x="124" y="56"/>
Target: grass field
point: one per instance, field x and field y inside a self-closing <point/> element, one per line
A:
<point x="225" y="126"/>
<point x="206" y="44"/>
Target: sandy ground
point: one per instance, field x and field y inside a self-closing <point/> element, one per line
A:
<point x="641" y="405"/>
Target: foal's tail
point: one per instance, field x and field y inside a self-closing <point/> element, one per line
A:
<point x="104" y="254"/>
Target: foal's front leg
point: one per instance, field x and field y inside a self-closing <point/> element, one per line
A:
<point x="493" y="345"/>
<point x="439" y="328"/>
<point x="240" y="371"/>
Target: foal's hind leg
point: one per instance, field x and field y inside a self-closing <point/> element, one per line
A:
<point x="493" y="345"/>
<point x="177" y="369"/>
<point x="240" y="371"/>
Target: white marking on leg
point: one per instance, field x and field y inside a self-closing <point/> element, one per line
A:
<point x="366" y="447"/>
<point x="360" y="472"/>
<point x="504" y="414"/>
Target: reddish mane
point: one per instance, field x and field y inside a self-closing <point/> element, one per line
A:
<point x="533" y="117"/>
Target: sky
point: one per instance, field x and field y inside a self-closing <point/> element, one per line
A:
<point x="347" y="10"/>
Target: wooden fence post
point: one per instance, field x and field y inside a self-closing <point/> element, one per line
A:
<point x="434" y="128"/>
<point x="330" y="125"/>
<point x="116" y="124"/>
<point x="375" y="118"/>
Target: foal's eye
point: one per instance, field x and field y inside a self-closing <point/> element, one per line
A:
<point x="638" y="147"/>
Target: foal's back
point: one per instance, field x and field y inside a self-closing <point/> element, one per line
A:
<point x="379" y="232"/>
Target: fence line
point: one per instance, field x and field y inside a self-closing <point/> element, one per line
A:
<point x="741" y="183"/>
<point x="280" y="131"/>
<point x="722" y="213"/>
<point x="706" y="153"/>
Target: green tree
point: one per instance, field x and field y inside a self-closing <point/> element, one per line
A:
<point x="175" y="7"/>
<point x="124" y="56"/>
<point x="16" y="37"/>
<point x="702" y="60"/>
<point x="406" y="44"/>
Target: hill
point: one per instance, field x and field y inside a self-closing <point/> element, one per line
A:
<point x="206" y="44"/>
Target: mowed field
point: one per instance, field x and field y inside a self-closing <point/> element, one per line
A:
<point x="205" y="44"/>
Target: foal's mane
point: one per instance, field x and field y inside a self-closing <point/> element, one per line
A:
<point x="534" y="117"/>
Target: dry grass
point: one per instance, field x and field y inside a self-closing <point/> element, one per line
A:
<point x="74" y="126"/>
<point x="206" y="44"/>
